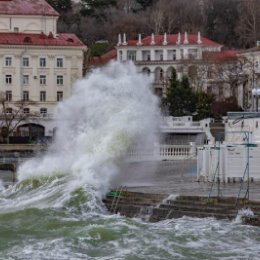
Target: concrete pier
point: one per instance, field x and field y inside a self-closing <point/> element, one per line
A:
<point x="178" y="178"/>
<point x="162" y="190"/>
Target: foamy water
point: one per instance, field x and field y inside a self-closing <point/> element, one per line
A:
<point x="55" y="212"/>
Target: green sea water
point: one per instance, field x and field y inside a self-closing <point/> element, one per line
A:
<point x="42" y="222"/>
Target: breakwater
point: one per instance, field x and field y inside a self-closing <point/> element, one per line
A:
<point x="158" y="207"/>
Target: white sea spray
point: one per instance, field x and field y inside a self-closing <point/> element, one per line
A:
<point x="110" y="110"/>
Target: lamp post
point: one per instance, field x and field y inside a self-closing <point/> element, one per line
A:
<point x="256" y="95"/>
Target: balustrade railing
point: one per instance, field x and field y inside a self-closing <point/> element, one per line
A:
<point x="162" y="152"/>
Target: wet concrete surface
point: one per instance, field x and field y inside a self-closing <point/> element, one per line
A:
<point x="178" y="178"/>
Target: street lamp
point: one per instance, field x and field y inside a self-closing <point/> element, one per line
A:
<point x="256" y="95"/>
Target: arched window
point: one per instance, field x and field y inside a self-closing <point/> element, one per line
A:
<point x="161" y="74"/>
<point x="27" y="39"/>
<point x="43" y="111"/>
<point x="146" y="71"/>
<point x="70" y="40"/>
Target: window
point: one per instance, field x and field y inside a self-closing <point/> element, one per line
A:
<point x="43" y="96"/>
<point x="16" y="29"/>
<point x="26" y="110"/>
<point x="131" y="55"/>
<point x="8" y="79"/>
<point x="59" y="96"/>
<point x="8" y="110"/>
<point x="146" y="55"/>
<point x="8" y="61"/>
<point x="182" y="54"/>
<point x="8" y="95"/>
<point x="42" y="79"/>
<point x="25" y="62"/>
<point x="193" y="54"/>
<point x="25" y="79"/>
<point x="161" y="74"/>
<point x="174" y="55"/>
<point x="59" y="62"/>
<point x="161" y="56"/>
<point x="25" y="95"/>
<point x="43" y="111"/>
<point x="120" y="55"/>
<point x="59" y="80"/>
<point x="209" y="74"/>
<point x="42" y="62"/>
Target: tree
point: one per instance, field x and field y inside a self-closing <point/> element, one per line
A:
<point x="204" y="103"/>
<point x="96" y="8"/>
<point x="61" y="5"/>
<point x="249" y="21"/>
<point x="180" y="99"/>
<point x="145" y="3"/>
<point x="222" y="16"/>
<point x="12" y="114"/>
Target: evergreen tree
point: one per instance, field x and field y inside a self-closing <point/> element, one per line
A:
<point x="144" y="3"/>
<point x="180" y="99"/>
<point x="96" y="8"/>
<point x="61" y="5"/>
<point x="204" y="103"/>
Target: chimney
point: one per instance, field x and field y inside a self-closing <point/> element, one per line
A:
<point x="119" y="40"/>
<point x="139" y="39"/>
<point x="179" y="39"/>
<point x="186" y="41"/>
<point x="165" y="39"/>
<point x="124" y="39"/>
<point x="152" y="39"/>
<point x="199" y="38"/>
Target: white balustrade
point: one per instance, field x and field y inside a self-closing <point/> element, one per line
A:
<point x="162" y="152"/>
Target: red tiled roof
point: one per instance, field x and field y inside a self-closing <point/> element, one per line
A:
<point x="63" y="39"/>
<point x="172" y="39"/>
<point x="226" y="55"/>
<point x="110" y="55"/>
<point x="26" y="7"/>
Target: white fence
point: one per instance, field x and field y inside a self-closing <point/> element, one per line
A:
<point x="162" y="152"/>
<point x="228" y="163"/>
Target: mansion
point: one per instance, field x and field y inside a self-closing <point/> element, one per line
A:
<point x="209" y="66"/>
<point x="38" y="64"/>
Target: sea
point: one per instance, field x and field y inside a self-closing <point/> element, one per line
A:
<point x="55" y="210"/>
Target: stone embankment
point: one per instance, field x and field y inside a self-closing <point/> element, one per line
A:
<point x="157" y="207"/>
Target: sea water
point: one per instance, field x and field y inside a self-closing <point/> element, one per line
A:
<point x="55" y="211"/>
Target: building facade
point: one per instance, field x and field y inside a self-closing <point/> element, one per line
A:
<point x="38" y="66"/>
<point x="189" y="54"/>
<point x="251" y="68"/>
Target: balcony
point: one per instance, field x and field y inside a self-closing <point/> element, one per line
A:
<point x="166" y="62"/>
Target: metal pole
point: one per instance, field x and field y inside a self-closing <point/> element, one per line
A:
<point x="218" y="179"/>
<point x="248" y="182"/>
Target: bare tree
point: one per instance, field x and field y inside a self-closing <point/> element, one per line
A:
<point x="247" y="27"/>
<point x="12" y="114"/>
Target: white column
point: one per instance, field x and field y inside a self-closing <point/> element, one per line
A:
<point x="165" y="54"/>
<point x="138" y="55"/>
<point x="152" y="54"/>
<point x="124" y="54"/>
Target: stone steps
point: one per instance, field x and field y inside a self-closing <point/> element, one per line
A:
<point x="205" y="209"/>
<point x="163" y="214"/>
<point x="156" y="207"/>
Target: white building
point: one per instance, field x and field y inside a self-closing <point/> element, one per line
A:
<point x="193" y="55"/>
<point x="238" y="157"/>
<point x="251" y="88"/>
<point x="37" y="63"/>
